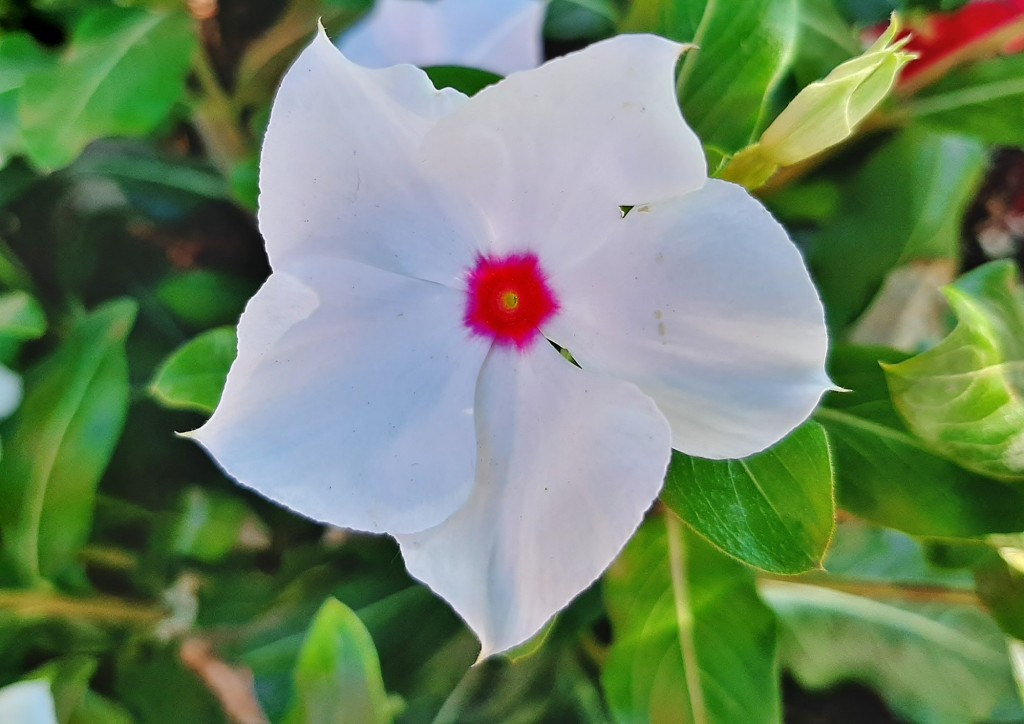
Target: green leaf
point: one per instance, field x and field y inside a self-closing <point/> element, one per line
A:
<point x="744" y="51"/>
<point x="1001" y="589"/>
<point x="20" y="56"/>
<point x="192" y="378"/>
<point x="773" y="510"/>
<point x="907" y="202"/>
<point x="204" y="298"/>
<point x="983" y="100"/>
<point x="21" y="317"/>
<point x="931" y="662"/>
<point x="465" y="80"/>
<point x="337" y="676"/>
<point x="209" y="525"/>
<point x="573" y="20"/>
<point x="60" y="442"/>
<point x="887" y="475"/>
<point x="692" y="641"/>
<point x="120" y="76"/>
<point x="965" y="396"/>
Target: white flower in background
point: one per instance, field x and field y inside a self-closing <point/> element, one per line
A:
<point x="394" y="373"/>
<point x="501" y="36"/>
<point x="27" y="702"/>
<point x="10" y="392"/>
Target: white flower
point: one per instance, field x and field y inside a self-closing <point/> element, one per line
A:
<point x="27" y="702"/>
<point x="10" y="392"/>
<point x="501" y="36"/>
<point x="394" y="373"/>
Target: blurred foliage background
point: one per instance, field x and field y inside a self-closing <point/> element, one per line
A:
<point x="146" y="587"/>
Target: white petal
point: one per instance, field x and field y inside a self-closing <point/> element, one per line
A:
<point x="27" y="702"/>
<point x="705" y="304"/>
<point x="10" y="391"/>
<point x="550" y="154"/>
<point x="351" y="401"/>
<point x="569" y="462"/>
<point x="339" y="175"/>
<point x="501" y="36"/>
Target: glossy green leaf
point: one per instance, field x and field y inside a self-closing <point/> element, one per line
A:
<point x="192" y="378"/>
<point x="773" y="510"/>
<point x="907" y="202"/>
<point x="885" y="474"/>
<point x="965" y="396"/>
<point x="337" y="676"/>
<point x="931" y="662"/>
<point x="983" y="100"/>
<point x="20" y="56"/>
<point x="60" y="442"/>
<point x="744" y="51"/>
<point x="691" y="639"/>
<point x="120" y="76"/>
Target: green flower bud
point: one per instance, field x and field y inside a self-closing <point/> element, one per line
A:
<point x="826" y="112"/>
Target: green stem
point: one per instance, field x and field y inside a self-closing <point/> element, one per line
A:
<point x="216" y="118"/>
<point x="684" y="618"/>
<point x="113" y="611"/>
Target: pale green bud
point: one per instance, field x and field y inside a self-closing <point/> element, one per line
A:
<point x="827" y="111"/>
<point x="824" y="113"/>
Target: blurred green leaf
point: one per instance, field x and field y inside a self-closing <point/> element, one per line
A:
<point x="209" y="525"/>
<point x="76" y="704"/>
<point x="21" y="317"/>
<point x="573" y="20"/>
<point x="773" y="510"/>
<point x="744" y="50"/>
<point x="983" y="100"/>
<point x="965" y="396"/>
<point x="192" y="378"/>
<point x="337" y="676"/>
<point x="122" y="73"/>
<point x="906" y="202"/>
<point x="691" y="639"/>
<point x="153" y="683"/>
<point x="869" y="553"/>
<point x="931" y="662"/>
<point x="1001" y="588"/>
<point x="887" y="475"/>
<point x="824" y="41"/>
<point x="20" y="56"/>
<point x="204" y="298"/>
<point x="61" y="441"/>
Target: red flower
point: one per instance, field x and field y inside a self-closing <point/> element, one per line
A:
<point x="979" y="29"/>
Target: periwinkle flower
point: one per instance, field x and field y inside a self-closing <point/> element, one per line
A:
<point x="396" y="373"/>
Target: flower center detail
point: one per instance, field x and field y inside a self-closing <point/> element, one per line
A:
<point x="508" y="298"/>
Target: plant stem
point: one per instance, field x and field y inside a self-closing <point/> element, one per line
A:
<point x="114" y="611"/>
<point x="216" y="118"/>
<point x="684" y="618"/>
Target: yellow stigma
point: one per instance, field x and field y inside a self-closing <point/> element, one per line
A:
<point x="509" y="301"/>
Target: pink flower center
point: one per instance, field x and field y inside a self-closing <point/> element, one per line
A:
<point x="508" y="299"/>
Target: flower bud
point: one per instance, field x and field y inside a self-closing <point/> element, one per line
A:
<point x="824" y="113"/>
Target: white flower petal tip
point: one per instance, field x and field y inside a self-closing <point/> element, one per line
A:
<point x="27" y="702"/>
<point x="393" y="374"/>
<point x="568" y="464"/>
<point x="500" y="36"/>
<point x="707" y="305"/>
